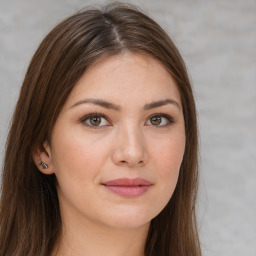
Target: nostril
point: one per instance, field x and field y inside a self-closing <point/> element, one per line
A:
<point x="132" y="163"/>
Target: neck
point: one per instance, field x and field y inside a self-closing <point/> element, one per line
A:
<point x="93" y="239"/>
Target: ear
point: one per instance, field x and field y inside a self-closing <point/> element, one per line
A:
<point x="42" y="153"/>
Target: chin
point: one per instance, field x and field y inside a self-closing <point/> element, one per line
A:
<point x="128" y="223"/>
<point x="129" y="219"/>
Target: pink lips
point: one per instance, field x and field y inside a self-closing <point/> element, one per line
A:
<point x="128" y="187"/>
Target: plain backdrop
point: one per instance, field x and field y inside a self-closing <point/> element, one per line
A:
<point x="217" y="40"/>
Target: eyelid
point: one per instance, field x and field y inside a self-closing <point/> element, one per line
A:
<point x="95" y="114"/>
<point x="168" y="117"/>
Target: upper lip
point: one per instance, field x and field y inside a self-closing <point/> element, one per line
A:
<point x="126" y="182"/>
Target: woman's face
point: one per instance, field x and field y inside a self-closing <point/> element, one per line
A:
<point x="118" y="143"/>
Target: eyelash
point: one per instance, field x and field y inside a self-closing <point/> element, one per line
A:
<point x="169" y="119"/>
<point x="85" y="118"/>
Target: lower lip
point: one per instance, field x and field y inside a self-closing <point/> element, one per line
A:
<point x="128" y="191"/>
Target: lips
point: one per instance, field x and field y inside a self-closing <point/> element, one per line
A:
<point x="128" y="187"/>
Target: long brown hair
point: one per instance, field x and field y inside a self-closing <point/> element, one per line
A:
<point x="30" y="221"/>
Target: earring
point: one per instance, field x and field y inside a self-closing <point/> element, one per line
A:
<point x="45" y="166"/>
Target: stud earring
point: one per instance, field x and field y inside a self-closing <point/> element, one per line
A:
<point x="45" y="166"/>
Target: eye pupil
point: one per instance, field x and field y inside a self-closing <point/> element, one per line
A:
<point x="155" y="120"/>
<point x="95" y="121"/>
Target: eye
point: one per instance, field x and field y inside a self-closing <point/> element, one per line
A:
<point x="161" y="120"/>
<point x="95" y="120"/>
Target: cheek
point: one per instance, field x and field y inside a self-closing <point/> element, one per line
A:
<point x="78" y="158"/>
<point x="77" y="163"/>
<point x="69" y="156"/>
<point x="169" y="153"/>
<point x="169" y="157"/>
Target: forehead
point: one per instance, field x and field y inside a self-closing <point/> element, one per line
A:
<point x="126" y="77"/>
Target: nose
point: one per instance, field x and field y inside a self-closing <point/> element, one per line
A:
<point x="130" y="148"/>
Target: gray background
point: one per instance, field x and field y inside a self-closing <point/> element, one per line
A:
<point x="217" y="40"/>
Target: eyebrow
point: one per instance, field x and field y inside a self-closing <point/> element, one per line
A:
<point x="108" y="105"/>
<point x="98" y="102"/>
<point x="161" y="103"/>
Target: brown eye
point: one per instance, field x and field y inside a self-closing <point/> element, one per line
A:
<point x="156" y="120"/>
<point x="160" y="120"/>
<point x="95" y="121"/>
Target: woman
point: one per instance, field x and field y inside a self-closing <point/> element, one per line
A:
<point x="101" y="157"/>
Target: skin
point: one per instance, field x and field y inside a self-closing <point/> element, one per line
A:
<point x="126" y="143"/>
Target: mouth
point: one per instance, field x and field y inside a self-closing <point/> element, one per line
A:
<point x="128" y="187"/>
